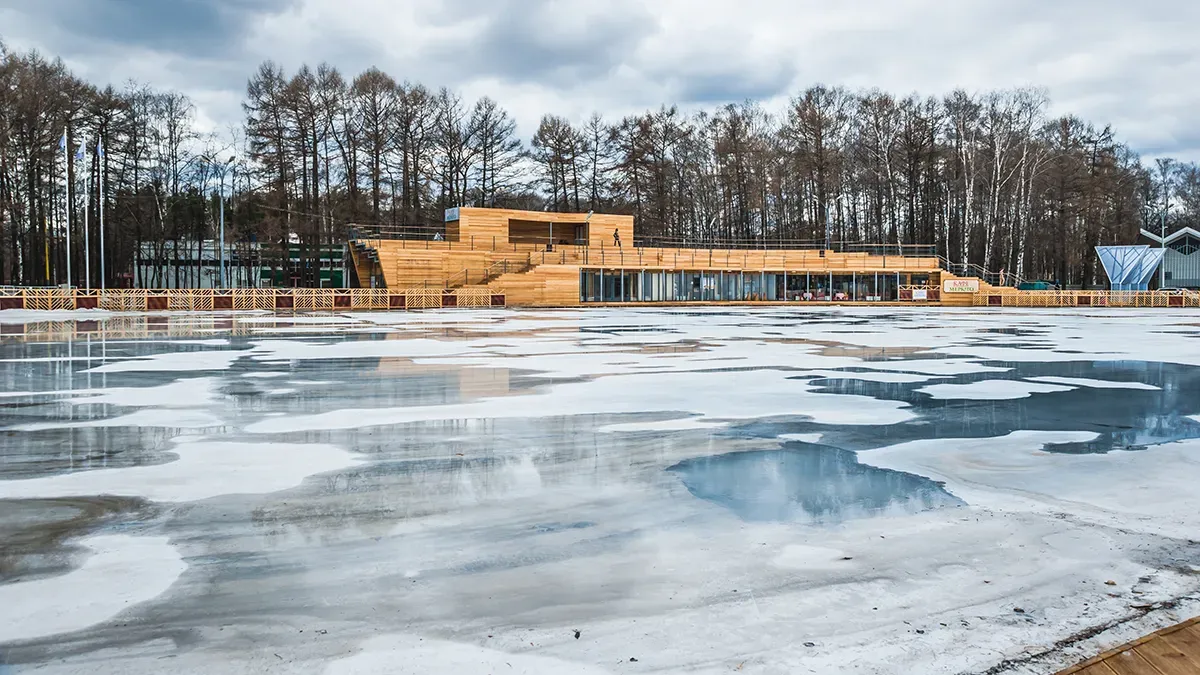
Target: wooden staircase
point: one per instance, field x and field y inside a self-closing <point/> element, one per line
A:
<point x="366" y="262"/>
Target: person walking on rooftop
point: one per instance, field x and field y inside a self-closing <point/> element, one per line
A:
<point x="617" y="238"/>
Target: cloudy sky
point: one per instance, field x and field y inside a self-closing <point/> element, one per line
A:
<point x="1135" y="65"/>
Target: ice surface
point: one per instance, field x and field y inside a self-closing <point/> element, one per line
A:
<point x="761" y="393"/>
<point x="119" y="572"/>
<point x="413" y="655"/>
<point x="203" y="470"/>
<point x="1155" y="492"/>
<point x="16" y="316"/>
<point x="707" y="490"/>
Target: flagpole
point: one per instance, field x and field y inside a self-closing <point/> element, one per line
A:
<point x="87" y="199"/>
<point x="100" y="148"/>
<point x="67" y="179"/>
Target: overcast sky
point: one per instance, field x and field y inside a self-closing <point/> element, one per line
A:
<point x="1135" y="65"/>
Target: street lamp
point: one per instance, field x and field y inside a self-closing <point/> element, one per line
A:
<point x="1164" y="167"/>
<point x="221" y="236"/>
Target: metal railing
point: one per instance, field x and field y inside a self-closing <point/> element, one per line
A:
<point x="768" y="244"/>
<point x="414" y="232"/>
<point x="483" y="276"/>
<point x="1002" y="278"/>
<point x="436" y="235"/>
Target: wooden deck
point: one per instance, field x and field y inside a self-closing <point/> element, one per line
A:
<point x="1171" y="651"/>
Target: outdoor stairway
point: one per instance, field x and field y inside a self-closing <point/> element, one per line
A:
<point x="483" y="277"/>
<point x="366" y="261"/>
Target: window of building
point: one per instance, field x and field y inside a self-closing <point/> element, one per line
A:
<point x="1186" y="244"/>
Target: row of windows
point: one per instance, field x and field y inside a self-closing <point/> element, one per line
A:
<point x="701" y="286"/>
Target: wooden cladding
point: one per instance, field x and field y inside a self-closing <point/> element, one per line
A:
<point x="506" y="226"/>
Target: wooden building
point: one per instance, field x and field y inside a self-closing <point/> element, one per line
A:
<point x="569" y="259"/>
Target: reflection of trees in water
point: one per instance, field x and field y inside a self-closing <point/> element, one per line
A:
<point x="1147" y="431"/>
<point x="37" y="532"/>
<point x="56" y="451"/>
<point x="443" y="466"/>
<point x="807" y="482"/>
<point x="1123" y="418"/>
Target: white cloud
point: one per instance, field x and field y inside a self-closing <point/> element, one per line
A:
<point x="1110" y="62"/>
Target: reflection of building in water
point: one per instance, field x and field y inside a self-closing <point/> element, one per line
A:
<point x="449" y="384"/>
<point x="132" y="326"/>
<point x="197" y="264"/>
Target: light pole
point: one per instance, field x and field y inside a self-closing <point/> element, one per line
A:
<point x="221" y="235"/>
<point x="1162" y="242"/>
<point x="1164" y="167"/>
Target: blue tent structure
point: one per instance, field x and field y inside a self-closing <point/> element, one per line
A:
<point x="1130" y="268"/>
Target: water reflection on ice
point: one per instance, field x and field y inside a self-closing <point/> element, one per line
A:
<point x="805" y="482"/>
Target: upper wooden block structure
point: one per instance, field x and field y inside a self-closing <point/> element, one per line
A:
<point x="509" y="226"/>
<point x="541" y="258"/>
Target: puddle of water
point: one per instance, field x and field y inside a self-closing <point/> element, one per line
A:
<point x="1125" y="419"/>
<point x="805" y="482"/>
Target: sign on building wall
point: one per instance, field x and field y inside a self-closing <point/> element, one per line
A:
<point x="920" y="294"/>
<point x="961" y="285"/>
<point x="452" y="215"/>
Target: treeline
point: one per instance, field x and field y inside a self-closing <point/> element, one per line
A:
<point x="990" y="179"/>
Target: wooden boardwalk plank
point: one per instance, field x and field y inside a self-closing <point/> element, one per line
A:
<point x="1186" y="640"/>
<point x="1169" y="660"/>
<point x="1098" y="669"/>
<point x="1131" y="663"/>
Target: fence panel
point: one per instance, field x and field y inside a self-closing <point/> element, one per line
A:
<point x="423" y="298"/>
<point x="124" y="300"/>
<point x="477" y="296"/>
<point x="368" y="298"/>
<point x="201" y="298"/>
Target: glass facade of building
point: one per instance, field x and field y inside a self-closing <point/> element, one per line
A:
<point x="623" y="285"/>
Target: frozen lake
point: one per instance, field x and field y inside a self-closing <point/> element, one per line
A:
<point x="814" y="490"/>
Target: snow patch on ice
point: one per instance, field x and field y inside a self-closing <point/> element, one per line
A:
<point x="187" y="393"/>
<point x="36" y="315"/>
<point x="412" y="655"/>
<point x="991" y="390"/>
<point x="1094" y="384"/>
<point x="122" y="571"/>
<point x="801" y="438"/>
<point x="203" y="470"/>
<point x="175" y="362"/>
